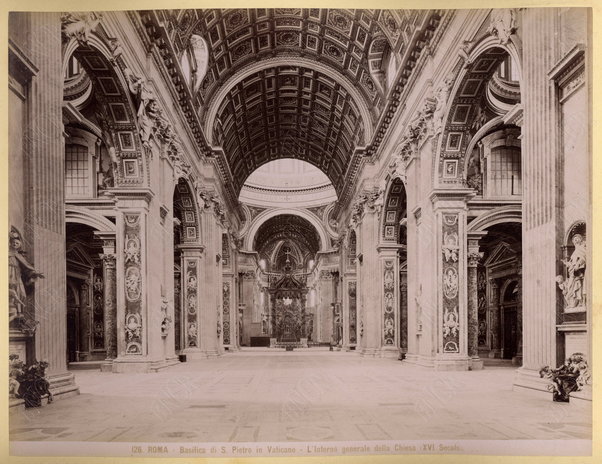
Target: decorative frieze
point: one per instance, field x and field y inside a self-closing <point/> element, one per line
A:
<point x="389" y="303"/>
<point x="226" y="312"/>
<point x="352" y="299"/>
<point x="98" y="309"/>
<point x="191" y="302"/>
<point x="450" y="285"/>
<point x="133" y="285"/>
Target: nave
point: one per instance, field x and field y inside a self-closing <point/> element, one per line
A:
<point x="308" y="395"/>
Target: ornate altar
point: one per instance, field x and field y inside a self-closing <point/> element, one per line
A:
<point x="289" y="322"/>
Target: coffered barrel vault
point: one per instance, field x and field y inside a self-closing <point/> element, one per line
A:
<point x="290" y="112"/>
<point x="319" y="85"/>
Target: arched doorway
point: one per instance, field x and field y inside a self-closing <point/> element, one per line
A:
<point x="499" y="293"/>
<point x="510" y="306"/>
<point x="186" y="233"/>
<point x="85" y="296"/>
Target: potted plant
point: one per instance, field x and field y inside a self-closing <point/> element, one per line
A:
<point x="569" y="377"/>
<point x="29" y="382"/>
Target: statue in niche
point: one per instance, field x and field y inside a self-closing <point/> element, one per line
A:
<point x="572" y="287"/>
<point x="21" y="277"/>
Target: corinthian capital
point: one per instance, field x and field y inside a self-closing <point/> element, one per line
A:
<point x="474" y="258"/>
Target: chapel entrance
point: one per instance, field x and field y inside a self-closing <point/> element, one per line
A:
<point x="85" y="295"/>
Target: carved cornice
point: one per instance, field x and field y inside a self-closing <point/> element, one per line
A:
<point x="569" y="72"/>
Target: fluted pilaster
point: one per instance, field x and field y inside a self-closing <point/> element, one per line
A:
<point x="541" y="187"/>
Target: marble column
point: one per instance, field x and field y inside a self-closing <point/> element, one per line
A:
<point x="542" y="182"/>
<point x="452" y="319"/>
<point x="474" y="257"/>
<point x="228" y="334"/>
<point x="403" y="312"/>
<point x="84" y="321"/>
<point x="110" y="306"/>
<point x="494" y="320"/>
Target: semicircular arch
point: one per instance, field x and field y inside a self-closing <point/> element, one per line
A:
<point x="80" y="215"/>
<point x="116" y="111"/>
<point x="267" y="215"/>
<point x="503" y="214"/>
<point x="464" y="115"/>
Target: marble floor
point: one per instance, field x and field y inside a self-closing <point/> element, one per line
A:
<point x="304" y="395"/>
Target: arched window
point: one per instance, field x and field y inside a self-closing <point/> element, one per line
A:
<point x="77" y="171"/>
<point x="500" y="155"/>
<point x="504" y="171"/>
<point x="88" y="168"/>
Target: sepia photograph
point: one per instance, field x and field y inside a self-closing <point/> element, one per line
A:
<point x="299" y="232"/>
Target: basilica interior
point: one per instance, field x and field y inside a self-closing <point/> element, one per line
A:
<point x="405" y="184"/>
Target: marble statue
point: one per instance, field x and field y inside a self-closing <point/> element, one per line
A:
<point x="80" y="25"/>
<point x="503" y="24"/>
<point x="21" y="276"/>
<point x="201" y="57"/>
<point x="572" y="287"/>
